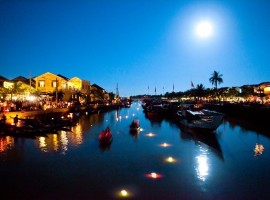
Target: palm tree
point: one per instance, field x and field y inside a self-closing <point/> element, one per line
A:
<point x="216" y="79"/>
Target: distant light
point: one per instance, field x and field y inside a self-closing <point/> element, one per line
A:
<point x="154" y="175"/>
<point x="124" y="193"/>
<point x="31" y="98"/>
<point x="170" y="160"/>
<point x="165" y="145"/>
<point x="258" y="150"/>
<point x="150" y="135"/>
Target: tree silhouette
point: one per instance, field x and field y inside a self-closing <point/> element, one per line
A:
<point x="216" y="79"/>
<point x="200" y="91"/>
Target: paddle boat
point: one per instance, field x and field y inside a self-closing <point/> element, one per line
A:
<point x="105" y="137"/>
<point x="135" y="125"/>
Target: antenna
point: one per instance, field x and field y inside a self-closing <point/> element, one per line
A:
<point x="117" y="91"/>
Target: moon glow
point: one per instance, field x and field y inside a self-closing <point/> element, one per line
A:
<point x="204" y="29"/>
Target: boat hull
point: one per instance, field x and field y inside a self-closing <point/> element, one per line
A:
<point x="208" y="122"/>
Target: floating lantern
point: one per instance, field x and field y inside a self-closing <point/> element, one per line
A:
<point x="150" y="135"/>
<point x="258" y="150"/>
<point x="154" y="175"/>
<point x="170" y="160"/>
<point x="165" y="145"/>
<point x="124" y="193"/>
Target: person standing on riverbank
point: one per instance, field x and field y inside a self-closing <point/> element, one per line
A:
<point x="15" y="120"/>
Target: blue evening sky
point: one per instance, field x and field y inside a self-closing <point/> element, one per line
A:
<point x="136" y="43"/>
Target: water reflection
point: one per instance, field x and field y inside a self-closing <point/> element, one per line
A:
<point x="6" y="143"/>
<point x="134" y="133"/>
<point x="245" y="125"/>
<point x="60" y="141"/>
<point x="185" y="165"/>
<point x="42" y="144"/>
<point x="154" y="118"/>
<point x="258" y="150"/>
<point x="105" y="146"/>
<point x="202" y="166"/>
<point x="210" y="140"/>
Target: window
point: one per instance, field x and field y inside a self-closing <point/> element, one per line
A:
<point x="54" y="83"/>
<point x="41" y="83"/>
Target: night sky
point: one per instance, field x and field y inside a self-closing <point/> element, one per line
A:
<point x="137" y="43"/>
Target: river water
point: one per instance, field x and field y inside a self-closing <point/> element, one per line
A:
<point x="161" y="162"/>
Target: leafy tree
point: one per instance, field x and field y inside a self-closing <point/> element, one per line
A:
<point x="199" y="91"/>
<point x="13" y="90"/>
<point x="59" y="95"/>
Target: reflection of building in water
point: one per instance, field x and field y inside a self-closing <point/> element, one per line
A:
<point x="202" y="164"/>
<point x="6" y="143"/>
<point x="11" y="149"/>
<point x="77" y="137"/>
<point x="55" y="143"/>
<point x="61" y="141"/>
<point x="42" y="144"/>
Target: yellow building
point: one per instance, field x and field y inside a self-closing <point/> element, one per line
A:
<point x="49" y="82"/>
<point x="77" y="84"/>
<point x="263" y="88"/>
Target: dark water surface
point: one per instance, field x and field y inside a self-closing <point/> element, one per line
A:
<point x="72" y="165"/>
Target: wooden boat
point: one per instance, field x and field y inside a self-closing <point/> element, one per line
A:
<point x="200" y="120"/>
<point x="105" y="137"/>
<point x="135" y="125"/>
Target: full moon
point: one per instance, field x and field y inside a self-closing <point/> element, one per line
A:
<point x="204" y="29"/>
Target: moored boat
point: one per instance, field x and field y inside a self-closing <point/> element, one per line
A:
<point x="200" y="120"/>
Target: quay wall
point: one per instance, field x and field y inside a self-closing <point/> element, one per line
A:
<point x="256" y="112"/>
<point x="250" y="117"/>
<point x="57" y="111"/>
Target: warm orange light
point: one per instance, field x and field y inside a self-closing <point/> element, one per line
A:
<point x="259" y="148"/>
<point x="124" y="193"/>
<point x="165" y="145"/>
<point x="154" y="175"/>
<point x="150" y="135"/>
<point x="170" y="160"/>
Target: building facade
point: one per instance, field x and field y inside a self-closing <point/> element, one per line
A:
<point x="49" y="83"/>
<point x="77" y="84"/>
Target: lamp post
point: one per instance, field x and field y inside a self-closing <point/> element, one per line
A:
<point x="56" y="91"/>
